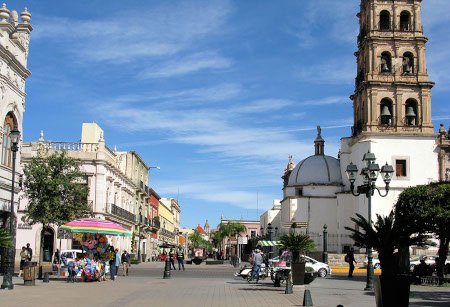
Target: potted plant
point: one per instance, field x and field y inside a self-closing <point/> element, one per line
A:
<point x="385" y="236"/>
<point x="310" y="275"/>
<point x="298" y="244"/>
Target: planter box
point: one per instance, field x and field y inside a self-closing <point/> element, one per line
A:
<point x="197" y="261"/>
<point x="298" y="273"/>
<point x="392" y="290"/>
<point x="214" y="262"/>
<point x="309" y="277"/>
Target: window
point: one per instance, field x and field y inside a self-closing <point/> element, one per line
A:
<point x="386" y="63"/>
<point x="385" y="21"/>
<point x="253" y="234"/>
<point x="299" y="192"/>
<point x="6" y="140"/>
<point x="400" y="168"/>
<point x="405" y="18"/>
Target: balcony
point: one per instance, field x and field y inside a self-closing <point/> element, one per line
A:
<point x="127" y="215"/>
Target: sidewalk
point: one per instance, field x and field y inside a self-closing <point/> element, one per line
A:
<point x="203" y="285"/>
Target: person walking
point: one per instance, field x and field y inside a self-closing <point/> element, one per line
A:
<point x="172" y="261"/>
<point x="30" y="252"/>
<point x="350" y="258"/>
<point x="180" y="258"/>
<point x="23" y="257"/>
<point x="125" y="263"/>
<point x="257" y="261"/>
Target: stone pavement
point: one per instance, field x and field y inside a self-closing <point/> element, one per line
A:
<point x="203" y="285"/>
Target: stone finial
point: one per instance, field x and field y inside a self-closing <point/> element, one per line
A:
<point x="319" y="143"/>
<point x="291" y="165"/>
<point x="4" y="12"/>
<point x="101" y="137"/>
<point x="41" y="136"/>
<point x="25" y="16"/>
<point x="14" y="17"/>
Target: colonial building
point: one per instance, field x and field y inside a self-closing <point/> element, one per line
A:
<point x="444" y="154"/>
<point x="392" y="119"/>
<point x="169" y="217"/>
<point x="114" y="187"/>
<point x="14" y="41"/>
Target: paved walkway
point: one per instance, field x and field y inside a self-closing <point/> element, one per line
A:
<point x="204" y="285"/>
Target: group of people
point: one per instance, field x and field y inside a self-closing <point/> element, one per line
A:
<point x="116" y="260"/>
<point x="179" y="255"/>
<point x="26" y="254"/>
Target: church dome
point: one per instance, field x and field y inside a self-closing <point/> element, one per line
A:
<point x="318" y="169"/>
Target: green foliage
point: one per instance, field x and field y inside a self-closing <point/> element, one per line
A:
<point x="426" y="209"/>
<point x="196" y="240"/>
<point x="297" y="243"/>
<point x="384" y="236"/>
<point x="55" y="195"/>
<point x="5" y="239"/>
<point x="231" y="229"/>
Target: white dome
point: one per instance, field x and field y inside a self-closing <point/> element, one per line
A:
<point x="317" y="169"/>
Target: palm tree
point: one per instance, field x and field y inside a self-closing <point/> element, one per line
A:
<point x="230" y="229"/>
<point x="296" y="243"/>
<point x="384" y="236"/>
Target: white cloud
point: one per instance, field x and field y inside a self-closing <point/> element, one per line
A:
<point x="326" y="101"/>
<point x="334" y="71"/>
<point x="158" y="31"/>
<point x="188" y="64"/>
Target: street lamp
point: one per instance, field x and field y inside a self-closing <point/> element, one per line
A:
<point x="139" y="234"/>
<point x="369" y="176"/>
<point x="270" y="232"/>
<point x="14" y="135"/>
<point x="325" y="244"/>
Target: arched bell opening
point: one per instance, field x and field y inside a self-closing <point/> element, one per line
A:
<point x="386" y="118"/>
<point x="411" y="114"/>
<point x="408" y="63"/>
<point x="385" y="21"/>
<point x="386" y="62"/>
<point x="405" y="21"/>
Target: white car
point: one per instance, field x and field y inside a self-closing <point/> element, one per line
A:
<point x="375" y="262"/>
<point x="322" y="269"/>
<point x="68" y="255"/>
<point x="430" y="260"/>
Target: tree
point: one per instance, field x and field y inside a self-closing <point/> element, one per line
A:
<point x="426" y="208"/>
<point x="297" y="244"/>
<point x="5" y="239"/>
<point x="54" y="190"/>
<point x="385" y="235"/>
<point x="230" y="229"/>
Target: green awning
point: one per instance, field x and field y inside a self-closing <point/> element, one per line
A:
<point x="268" y="243"/>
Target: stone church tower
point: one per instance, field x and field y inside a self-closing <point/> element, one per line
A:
<point x="392" y="89"/>
<point x="392" y="98"/>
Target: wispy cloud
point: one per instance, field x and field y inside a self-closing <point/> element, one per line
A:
<point x="334" y="71"/>
<point x="167" y="29"/>
<point x="326" y="101"/>
<point x="188" y="64"/>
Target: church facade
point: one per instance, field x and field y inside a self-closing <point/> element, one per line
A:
<point x="392" y="119"/>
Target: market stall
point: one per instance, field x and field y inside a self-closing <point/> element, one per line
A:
<point x="92" y="233"/>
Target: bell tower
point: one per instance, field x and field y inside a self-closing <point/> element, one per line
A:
<point x="392" y="89"/>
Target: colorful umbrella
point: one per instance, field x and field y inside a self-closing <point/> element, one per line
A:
<point x="88" y="225"/>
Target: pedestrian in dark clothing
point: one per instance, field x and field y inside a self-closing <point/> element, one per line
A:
<point x="30" y="252"/>
<point x="350" y="258"/>
<point x="172" y="261"/>
<point x="112" y="263"/>
<point x="180" y="258"/>
<point x="125" y="262"/>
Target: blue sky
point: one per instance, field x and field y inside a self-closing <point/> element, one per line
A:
<point x="216" y="93"/>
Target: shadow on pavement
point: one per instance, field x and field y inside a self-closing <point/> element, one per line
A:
<point x="436" y="298"/>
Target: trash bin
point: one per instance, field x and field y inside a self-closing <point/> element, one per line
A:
<point x="47" y="256"/>
<point x="29" y="273"/>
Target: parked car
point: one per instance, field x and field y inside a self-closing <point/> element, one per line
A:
<point x="322" y="269"/>
<point x="375" y="262"/>
<point x="430" y="260"/>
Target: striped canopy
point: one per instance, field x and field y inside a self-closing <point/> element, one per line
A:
<point x="89" y="225"/>
<point x="268" y="243"/>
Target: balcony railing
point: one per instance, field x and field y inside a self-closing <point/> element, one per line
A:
<point x="116" y="210"/>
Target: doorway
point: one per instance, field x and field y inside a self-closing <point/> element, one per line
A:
<point x="47" y="247"/>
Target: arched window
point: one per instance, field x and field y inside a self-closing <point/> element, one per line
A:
<point x="408" y="63"/>
<point x="385" y="21"/>
<point x="405" y="21"/>
<point x="8" y="125"/>
<point x="386" y="112"/>
<point x="411" y="114"/>
<point x="386" y="63"/>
